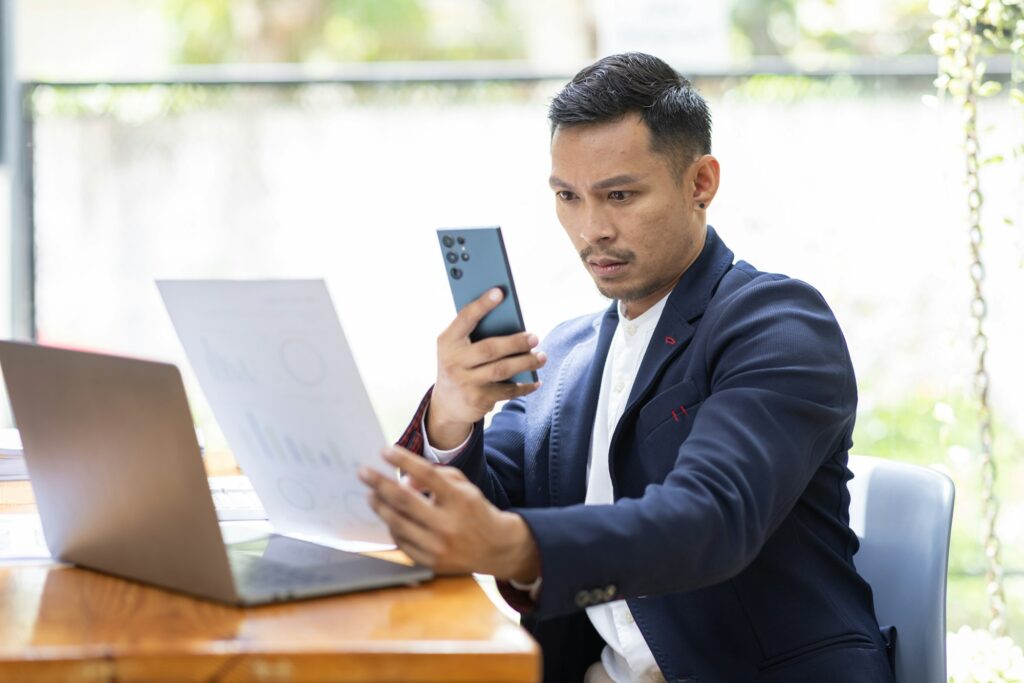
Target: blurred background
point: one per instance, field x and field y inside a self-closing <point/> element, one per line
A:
<point x="329" y="138"/>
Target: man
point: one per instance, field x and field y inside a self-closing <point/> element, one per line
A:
<point x="669" y="501"/>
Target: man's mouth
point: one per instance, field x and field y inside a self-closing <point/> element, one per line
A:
<point x="607" y="263"/>
<point x="607" y="268"/>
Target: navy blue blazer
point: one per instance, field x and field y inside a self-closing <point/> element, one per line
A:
<point x="729" y="535"/>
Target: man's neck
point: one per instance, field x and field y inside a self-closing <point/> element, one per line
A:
<point x="631" y="310"/>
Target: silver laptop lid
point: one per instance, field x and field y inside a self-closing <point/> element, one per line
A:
<point x="115" y="467"/>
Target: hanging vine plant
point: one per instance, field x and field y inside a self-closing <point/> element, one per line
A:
<point x="967" y="34"/>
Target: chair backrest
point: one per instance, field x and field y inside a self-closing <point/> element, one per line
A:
<point x="902" y="515"/>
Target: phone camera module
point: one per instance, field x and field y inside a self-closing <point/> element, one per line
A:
<point x="452" y="257"/>
<point x="465" y="256"/>
<point x="448" y="241"/>
<point x="461" y="240"/>
<point x="456" y="273"/>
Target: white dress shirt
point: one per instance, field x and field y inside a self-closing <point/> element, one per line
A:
<point x="626" y="657"/>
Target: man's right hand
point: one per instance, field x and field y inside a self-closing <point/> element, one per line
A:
<point x="471" y="376"/>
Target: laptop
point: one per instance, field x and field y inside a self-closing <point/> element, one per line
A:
<point x="120" y="486"/>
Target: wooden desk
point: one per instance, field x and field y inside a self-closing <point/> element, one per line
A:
<point x="59" y="623"/>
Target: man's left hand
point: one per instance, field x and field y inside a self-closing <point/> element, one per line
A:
<point x="454" y="530"/>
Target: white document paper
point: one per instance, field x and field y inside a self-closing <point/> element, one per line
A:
<point x="277" y="370"/>
<point x="12" y="460"/>
<point x="21" y="538"/>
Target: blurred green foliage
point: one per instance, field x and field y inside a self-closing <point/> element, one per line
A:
<point x="254" y="31"/>
<point x="239" y="31"/>
<point x="797" y="88"/>
<point x="836" y="27"/>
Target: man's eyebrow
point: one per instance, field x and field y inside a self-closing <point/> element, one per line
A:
<point x="624" y="179"/>
<point x="621" y="179"/>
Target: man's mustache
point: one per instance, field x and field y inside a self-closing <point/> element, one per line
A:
<point x="614" y="254"/>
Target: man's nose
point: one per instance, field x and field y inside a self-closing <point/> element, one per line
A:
<point x="596" y="228"/>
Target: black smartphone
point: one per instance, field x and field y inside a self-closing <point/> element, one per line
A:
<point x="475" y="261"/>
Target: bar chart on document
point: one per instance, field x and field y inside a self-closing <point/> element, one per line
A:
<point x="275" y="366"/>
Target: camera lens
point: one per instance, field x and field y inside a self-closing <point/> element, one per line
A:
<point x="461" y="240"/>
<point x="448" y="241"/>
<point x="465" y="256"/>
<point x="456" y="273"/>
<point x="452" y="257"/>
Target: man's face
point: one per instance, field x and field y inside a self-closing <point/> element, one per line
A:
<point x="636" y="223"/>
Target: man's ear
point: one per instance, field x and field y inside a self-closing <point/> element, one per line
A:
<point x="705" y="173"/>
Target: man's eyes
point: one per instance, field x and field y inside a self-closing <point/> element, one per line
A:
<point x="614" y="195"/>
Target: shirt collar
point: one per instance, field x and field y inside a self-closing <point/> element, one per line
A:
<point x="647" y="320"/>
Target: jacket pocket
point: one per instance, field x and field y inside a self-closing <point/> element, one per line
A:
<point x="823" y="649"/>
<point x="675" y="404"/>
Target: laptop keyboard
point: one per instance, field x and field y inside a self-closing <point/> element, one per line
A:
<point x="259" y="574"/>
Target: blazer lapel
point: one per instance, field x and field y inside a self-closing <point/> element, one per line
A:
<point x="686" y="303"/>
<point x="671" y="336"/>
<point x="572" y="423"/>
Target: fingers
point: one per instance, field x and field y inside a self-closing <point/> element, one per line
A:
<point x="478" y="388"/>
<point x="477" y="399"/>
<point x="467" y="371"/>
<point x="459" y="531"/>
<point x="415" y="485"/>
<point x="496" y="348"/>
<point x="416" y="554"/>
<point x="495" y="360"/>
<point x="504" y="391"/>
<point x="472" y="313"/>
<point x="425" y="473"/>
<point x="417" y="525"/>
<point x="405" y="499"/>
<point x="506" y="368"/>
<point x="415" y="539"/>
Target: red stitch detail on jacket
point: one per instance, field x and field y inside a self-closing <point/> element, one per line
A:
<point x="683" y="408"/>
<point x="670" y="340"/>
<point x="674" y="416"/>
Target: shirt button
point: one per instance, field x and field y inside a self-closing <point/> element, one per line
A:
<point x="619" y="386"/>
<point x="630" y="330"/>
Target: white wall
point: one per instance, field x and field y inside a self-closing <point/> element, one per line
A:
<point x="862" y="197"/>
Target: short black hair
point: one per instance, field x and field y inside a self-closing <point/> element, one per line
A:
<point x="612" y="87"/>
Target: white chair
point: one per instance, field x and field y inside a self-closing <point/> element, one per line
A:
<point x="902" y="515"/>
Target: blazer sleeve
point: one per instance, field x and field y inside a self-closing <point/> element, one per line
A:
<point x="497" y="467"/>
<point x="782" y="398"/>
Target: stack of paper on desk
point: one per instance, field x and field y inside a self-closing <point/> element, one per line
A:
<point x="12" y="462"/>
<point x="21" y="538"/>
